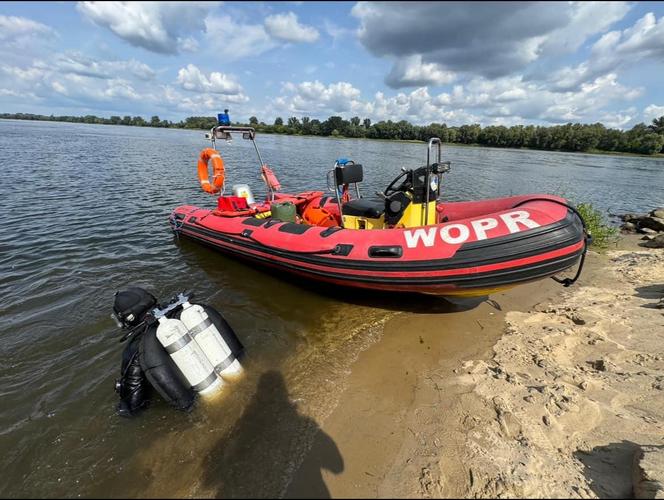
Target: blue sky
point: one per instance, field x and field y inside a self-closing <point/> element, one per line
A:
<point x="491" y="63"/>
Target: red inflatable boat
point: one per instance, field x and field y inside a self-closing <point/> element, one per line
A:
<point x="401" y="240"/>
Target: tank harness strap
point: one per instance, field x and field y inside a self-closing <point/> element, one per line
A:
<point x="202" y="326"/>
<point x="225" y="363"/>
<point x="201" y="386"/>
<point x="174" y="347"/>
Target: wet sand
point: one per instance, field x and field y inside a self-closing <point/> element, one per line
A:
<point x="542" y="391"/>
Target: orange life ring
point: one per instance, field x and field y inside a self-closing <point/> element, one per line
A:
<point x="217" y="171"/>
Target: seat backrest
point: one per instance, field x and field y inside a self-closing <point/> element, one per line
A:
<point x="348" y="174"/>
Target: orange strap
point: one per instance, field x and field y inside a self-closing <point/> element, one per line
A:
<point x="217" y="171"/>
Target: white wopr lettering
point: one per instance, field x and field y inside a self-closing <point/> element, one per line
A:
<point x="426" y="235"/>
<point x="481" y="226"/>
<point x="464" y="233"/>
<point x="513" y="219"/>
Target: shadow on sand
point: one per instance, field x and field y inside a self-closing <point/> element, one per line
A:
<point x="609" y="469"/>
<point x="654" y="292"/>
<point x="259" y="455"/>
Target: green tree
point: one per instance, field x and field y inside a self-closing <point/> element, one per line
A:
<point x="316" y="127"/>
<point x="469" y="134"/>
<point x="333" y="123"/>
<point x="294" y="125"/>
<point x="657" y="125"/>
<point x="306" y="125"/>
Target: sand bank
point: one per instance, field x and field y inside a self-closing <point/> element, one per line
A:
<point x="541" y="391"/>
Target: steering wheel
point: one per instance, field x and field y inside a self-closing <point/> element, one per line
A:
<point x="390" y="189"/>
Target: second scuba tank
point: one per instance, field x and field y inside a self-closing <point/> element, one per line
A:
<point x="188" y="356"/>
<point x="207" y="336"/>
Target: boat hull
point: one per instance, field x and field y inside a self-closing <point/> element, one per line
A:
<point x="497" y="245"/>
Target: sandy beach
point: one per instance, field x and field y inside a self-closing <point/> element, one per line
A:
<point x="542" y="391"/>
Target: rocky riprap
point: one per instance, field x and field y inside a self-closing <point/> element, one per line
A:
<point x="651" y="225"/>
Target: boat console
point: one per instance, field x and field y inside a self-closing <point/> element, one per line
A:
<point x="408" y="201"/>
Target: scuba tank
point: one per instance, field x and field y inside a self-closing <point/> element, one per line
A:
<point x="204" y="332"/>
<point x="188" y="356"/>
<point x="145" y="363"/>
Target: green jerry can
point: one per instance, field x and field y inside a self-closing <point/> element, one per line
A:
<point x="284" y="211"/>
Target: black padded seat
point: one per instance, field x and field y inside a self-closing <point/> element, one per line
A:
<point x="371" y="208"/>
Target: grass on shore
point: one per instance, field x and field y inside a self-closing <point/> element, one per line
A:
<point x="602" y="233"/>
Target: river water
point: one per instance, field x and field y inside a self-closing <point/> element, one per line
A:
<point x="85" y="212"/>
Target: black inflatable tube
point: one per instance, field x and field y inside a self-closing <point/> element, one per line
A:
<point x="162" y="372"/>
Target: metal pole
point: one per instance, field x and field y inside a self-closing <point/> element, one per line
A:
<point x="260" y="158"/>
<point x="336" y="193"/>
<point x="432" y="141"/>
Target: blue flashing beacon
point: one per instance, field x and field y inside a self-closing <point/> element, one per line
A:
<point x="223" y="118"/>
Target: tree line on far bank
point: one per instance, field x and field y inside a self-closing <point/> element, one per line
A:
<point x="642" y="138"/>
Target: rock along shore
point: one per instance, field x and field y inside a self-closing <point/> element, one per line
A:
<point x="651" y="225"/>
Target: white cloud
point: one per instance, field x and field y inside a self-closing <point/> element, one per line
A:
<point x="76" y="63"/>
<point x="482" y="39"/>
<point x="653" y="111"/>
<point x="287" y="28"/>
<point x="83" y="88"/>
<point x="644" y="40"/>
<point x="410" y="71"/>
<point x="192" y="78"/>
<point x="337" y="32"/>
<point x="507" y="100"/>
<point x="162" y="27"/>
<point x="316" y="98"/>
<point x="233" y="40"/>
<point x="189" y="44"/>
<point x="196" y="104"/>
<point x="20" y="36"/>
<point x="13" y="27"/>
<point x="618" y="119"/>
<point x="587" y="19"/>
<point x="614" y="51"/>
<point x="24" y="76"/>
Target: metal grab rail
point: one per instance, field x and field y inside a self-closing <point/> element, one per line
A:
<point x="249" y="133"/>
<point x="427" y="180"/>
